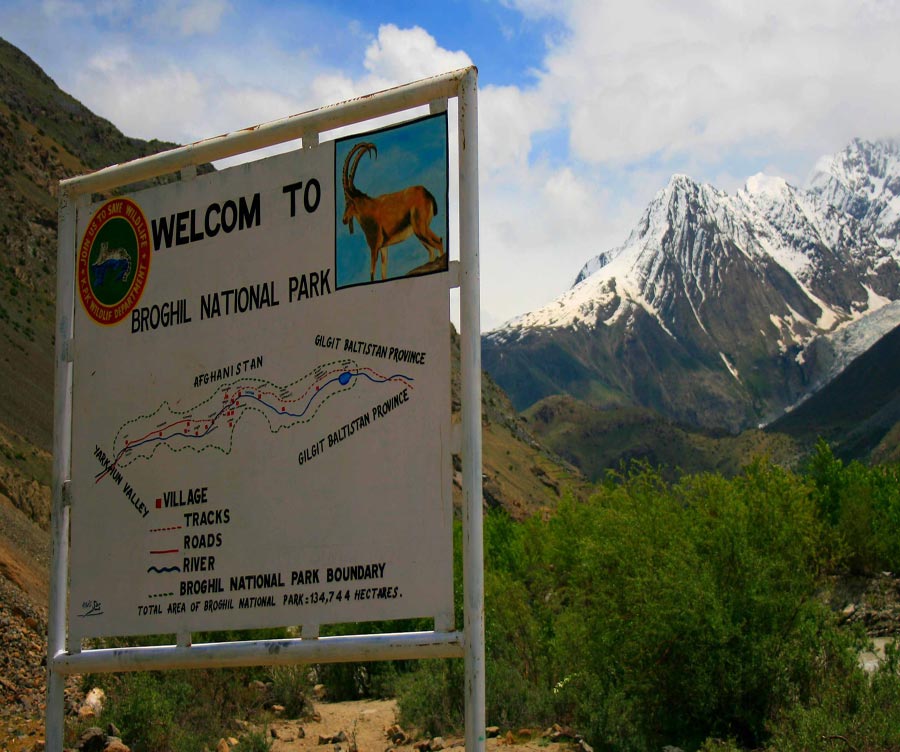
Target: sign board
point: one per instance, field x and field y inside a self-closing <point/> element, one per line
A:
<point x="261" y="394"/>
<point x="251" y="402"/>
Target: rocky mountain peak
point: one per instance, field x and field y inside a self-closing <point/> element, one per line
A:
<point x="862" y="167"/>
<point x="863" y="181"/>
<point x="681" y="197"/>
<point x="731" y="290"/>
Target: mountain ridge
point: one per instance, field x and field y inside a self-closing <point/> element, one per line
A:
<point x="727" y="289"/>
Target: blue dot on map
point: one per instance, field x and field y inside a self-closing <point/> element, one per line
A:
<point x="344" y="378"/>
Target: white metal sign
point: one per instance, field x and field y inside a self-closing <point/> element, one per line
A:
<point x="251" y="414"/>
<point x="261" y="410"/>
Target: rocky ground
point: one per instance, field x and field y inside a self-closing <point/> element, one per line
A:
<point x="371" y="726"/>
<point x="873" y="602"/>
<point x="24" y="560"/>
<point x="22" y="629"/>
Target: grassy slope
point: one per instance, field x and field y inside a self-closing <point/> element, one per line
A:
<point x="596" y="440"/>
<point x="519" y="473"/>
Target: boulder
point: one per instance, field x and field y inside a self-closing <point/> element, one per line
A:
<point x="92" y="740"/>
<point x="283" y="733"/>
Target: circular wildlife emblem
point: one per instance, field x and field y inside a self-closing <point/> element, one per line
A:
<point x="113" y="261"/>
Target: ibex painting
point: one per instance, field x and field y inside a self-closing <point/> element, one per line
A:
<point x="390" y="218"/>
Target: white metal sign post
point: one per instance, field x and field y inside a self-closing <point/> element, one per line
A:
<point x="252" y="400"/>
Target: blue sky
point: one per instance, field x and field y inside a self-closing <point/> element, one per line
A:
<point x="586" y="107"/>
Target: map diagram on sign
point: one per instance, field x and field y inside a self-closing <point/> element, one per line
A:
<point x="210" y="425"/>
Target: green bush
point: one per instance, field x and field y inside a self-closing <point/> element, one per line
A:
<point x="148" y="710"/>
<point x="690" y="608"/>
<point x="862" y="506"/>
<point x="852" y="711"/>
<point x="355" y="681"/>
<point x="432" y="697"/>
<point x="290" y="689"/>
<point x="254" y="741"/>
<point x="519" y="680"/>
<point x="185" y="711"/>
<point x="371" y="679"/>
<point x="655" y="614"/>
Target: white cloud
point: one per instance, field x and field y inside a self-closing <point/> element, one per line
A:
<point x="63" y="9"/>
<point x="539" y="8"/>
<point x="395" y="56"/>
<point x="332" y="87"/>
<point x="142" y="101"/>
<point x="649" y="77"/>
<point x="508" y="118"/>
<point x="408" y="55"/>
<point x="538" y="226"/>
<point x="188" y="17"/>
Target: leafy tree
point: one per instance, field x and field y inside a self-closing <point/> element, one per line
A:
<point x="862" y="506"/>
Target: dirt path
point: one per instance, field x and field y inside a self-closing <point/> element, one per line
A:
<point x="366" y="722"/>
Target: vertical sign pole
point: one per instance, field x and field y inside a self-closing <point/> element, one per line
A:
<point x="470" y="356"/>
<point x="62" y="434"/>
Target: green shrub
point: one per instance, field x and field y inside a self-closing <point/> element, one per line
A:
<point x="254" y="741"/>
<point x="176" y="710"/>
<point x="719" y="745"/>
<point x="690" y="608"/>
<point x="851" y="711"/>
<point x="147" y="712"/>
<point x="354" y="681"/>
<point x="519" y="680"/>
<point x="862" y="506"/>
<point x="432" y="697"/>
<point x="655" y="614"/>
<point x="290" y="689"/>
<point x="371" y="679"/>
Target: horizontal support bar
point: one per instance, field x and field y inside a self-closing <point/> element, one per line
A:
<point x="328" y="118"/>
<point x="344" y="649"/>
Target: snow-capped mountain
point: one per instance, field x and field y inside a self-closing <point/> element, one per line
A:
<point x="864" y="181"/>
<point x="709" y="309"/>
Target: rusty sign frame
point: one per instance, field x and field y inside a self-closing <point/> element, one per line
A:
<point x="63" y="656"/>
